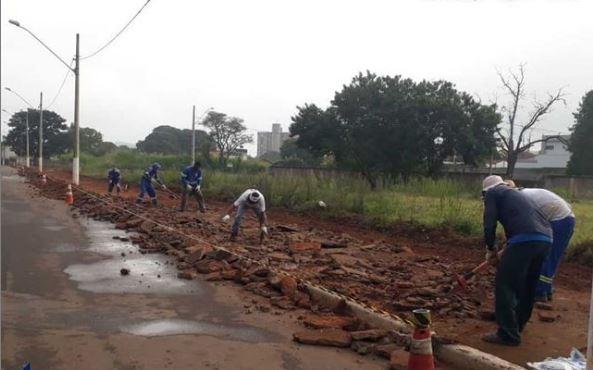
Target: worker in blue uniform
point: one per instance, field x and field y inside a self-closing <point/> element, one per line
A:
<point x="150" y="175"/>
<point x="191" y="183"/>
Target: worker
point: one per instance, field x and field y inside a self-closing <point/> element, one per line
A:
<point x="191" y="181"/>
<point x="529" y="239"/>
<point x="150" y="175"/>
<point x="250" y="199"/>
<point x="559" y="213"/>
<point x="114" y="177"/>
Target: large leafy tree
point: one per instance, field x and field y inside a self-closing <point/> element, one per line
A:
<point x="171" y="140"/>
<point x="227" y="133"/>
<point x="91" y="141"/>
<point x="53" y="131"/>
<point x="581" y="139"/>
<point x="391" y="126"/>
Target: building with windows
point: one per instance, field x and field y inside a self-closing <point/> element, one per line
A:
<point x="271" y="141"/>
<point x="553" y="154"/>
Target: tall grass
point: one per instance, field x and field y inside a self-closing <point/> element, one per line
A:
<point x="426" y="201"/>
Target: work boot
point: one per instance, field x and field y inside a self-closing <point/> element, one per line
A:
<point x="233" y="237"/>
<point x="139" y="201"/>
<point x="154" y="202"/>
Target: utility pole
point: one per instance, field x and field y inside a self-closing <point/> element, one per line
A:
<point x="76" y="159"/>
<point x="27" y="160"/>
<point x="193" y="135"/>
<point x="40" y="132"/>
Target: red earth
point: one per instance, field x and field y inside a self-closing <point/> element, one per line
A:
<point x="397" y="269"/>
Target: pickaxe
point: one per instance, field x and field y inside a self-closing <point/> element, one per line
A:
<point x="464" y="278"/>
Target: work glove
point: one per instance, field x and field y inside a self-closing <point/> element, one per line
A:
<point x="198" y="188"/>
<point x="264" y="230"/>
<point x="163" y="187"/>
<point x="189" y="187"/>
<point x="225" y="218"/>
<point x="492" y="256"/>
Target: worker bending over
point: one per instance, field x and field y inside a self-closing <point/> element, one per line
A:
<point x="150" y="175"/>
<point x="529" y="239"/>
<point x="191" y="181"/>
<point x="250" y="199"/>
<point x="559" y="213"/>
<point x="114" y="177"/>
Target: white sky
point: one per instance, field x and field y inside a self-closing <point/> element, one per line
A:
<point x="259" y="59"/>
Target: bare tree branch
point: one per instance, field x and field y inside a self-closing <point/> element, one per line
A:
<point x="542" y="140"/>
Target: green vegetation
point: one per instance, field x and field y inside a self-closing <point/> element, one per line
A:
<point x="429" y="202"/>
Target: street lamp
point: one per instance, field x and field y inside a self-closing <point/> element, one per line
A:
<point x="193" y="131"/>
<point x="76" y="71"/>
<point x="30" y="106"/>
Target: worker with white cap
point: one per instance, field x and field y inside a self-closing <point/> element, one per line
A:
<point x="529" y="238"/>
<point x="250" y="199"/>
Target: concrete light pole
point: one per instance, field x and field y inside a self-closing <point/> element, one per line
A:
<point x="193" y="135"/>
<point x="40" y="150"/>
<point x="76" y="71"/>
<point x="193" y="131"/>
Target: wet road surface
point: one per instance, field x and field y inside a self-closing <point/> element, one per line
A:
<point x="65" y="304"/>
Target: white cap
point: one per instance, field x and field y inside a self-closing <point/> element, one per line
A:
<point x="491" y="181"/>
<point x="254" y="196"/>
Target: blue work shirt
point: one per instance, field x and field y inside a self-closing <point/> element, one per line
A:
<point x="151" y="173"/>
<point x="520" y="217"/>
<point x="191" y="176"/>
<point x="114" y="175"/>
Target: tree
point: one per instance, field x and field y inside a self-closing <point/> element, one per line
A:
<point x="104" y="148"/>
<point x="291" y="153"/>
<point x="513" y="144"/>
<point x="581" y="139"/>
<point x="53" y="129"/>
<point x="391" y="126"/>
<point x="171" y="140"/>
<point x="227" y="133"/>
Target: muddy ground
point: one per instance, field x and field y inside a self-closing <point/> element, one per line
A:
<point x="396" y="270"/>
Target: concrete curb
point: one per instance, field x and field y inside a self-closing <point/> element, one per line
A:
<point x="460" y="356"/>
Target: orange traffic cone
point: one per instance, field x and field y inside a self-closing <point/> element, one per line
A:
<point x="69" y="195"/>
<point x="421" y="357"/>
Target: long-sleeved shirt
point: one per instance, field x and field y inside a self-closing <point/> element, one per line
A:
<point x="520" y="217"/>
<point x="114" y="175"/>
<point x="191" y="176"/>
<point x="550" y="204"/>
<point x="243" y="200"/>
<point x="151" y="173"/>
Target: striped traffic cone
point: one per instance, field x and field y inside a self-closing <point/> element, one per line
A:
<point x="69" y="195"/>
<point x="421" y="357"/>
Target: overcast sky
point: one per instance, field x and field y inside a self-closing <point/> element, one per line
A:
<point x="258" y="60"/>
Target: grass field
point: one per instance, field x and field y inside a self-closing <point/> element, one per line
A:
<point x="433" y="203"/>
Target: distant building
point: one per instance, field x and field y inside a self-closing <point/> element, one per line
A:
<point x="239" y="153"/>
<point x="553" y="154"/>
<point x="271" y="141"/>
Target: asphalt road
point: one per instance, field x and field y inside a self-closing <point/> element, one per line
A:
<point x="65" y="304"/>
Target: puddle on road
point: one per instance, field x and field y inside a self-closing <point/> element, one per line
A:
<point x="180" y="327"/>
<point x="149" y="273"/>
<point x="104" y="277"/>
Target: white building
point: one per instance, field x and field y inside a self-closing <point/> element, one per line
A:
<point x="271" y="141"/>
<point x="553" y="154"/>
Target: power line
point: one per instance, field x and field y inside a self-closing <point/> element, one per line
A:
<point x="119" y="33"/>
<point x="61" y="86"/>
